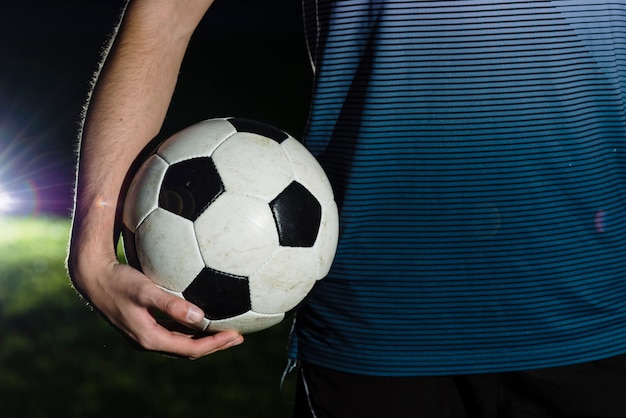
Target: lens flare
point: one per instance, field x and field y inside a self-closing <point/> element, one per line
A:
<point x="31" y="179"/>
<point x="7" y="202"/>
<point x="29" y="198"/>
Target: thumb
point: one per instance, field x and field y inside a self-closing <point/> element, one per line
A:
<point x="181" y="310"/>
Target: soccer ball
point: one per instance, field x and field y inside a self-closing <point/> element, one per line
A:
<point x="235" y="216"/>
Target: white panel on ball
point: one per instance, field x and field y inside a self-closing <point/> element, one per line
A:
<point x="307" y="170"/>
<point x="199" y="140"/>
<point x="236" y="234"/>
<point x="327" y="238"/>
<point x="144" y="191"/>
<point x="170" y="255"/>
<point x="247" y="322"/>
<point x="252" y="164"/>
<point x="284" y="280"/>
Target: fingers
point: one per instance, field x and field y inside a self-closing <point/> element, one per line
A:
<point x="178" y="309"/>
<point x="186" y="345"/>
<point x="164" y="336"/>
<point x="134" y="305"/>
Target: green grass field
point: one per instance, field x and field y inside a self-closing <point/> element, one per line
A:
<point x="58" y="358"/>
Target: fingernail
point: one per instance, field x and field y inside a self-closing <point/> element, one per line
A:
<point x="194" y="315"/>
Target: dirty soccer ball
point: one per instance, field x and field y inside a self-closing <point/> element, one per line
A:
<point x="235" y="216"/>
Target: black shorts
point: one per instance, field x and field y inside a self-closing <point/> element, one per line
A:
<point x="595" y="389"/>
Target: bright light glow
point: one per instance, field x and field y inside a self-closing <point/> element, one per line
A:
<point x="7" y="202"/>
<point x="100" y="203"/>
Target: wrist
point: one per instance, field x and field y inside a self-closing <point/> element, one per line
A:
<point x="92" y="245"/>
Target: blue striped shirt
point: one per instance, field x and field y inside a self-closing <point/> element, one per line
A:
<point x="477" y="153"/>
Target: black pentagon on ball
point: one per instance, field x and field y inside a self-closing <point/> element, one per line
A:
<point x="190" y="186"/>
<point x="254" y="127"/>
<point x="298" y="215"/>
<point x="219" y="295"/>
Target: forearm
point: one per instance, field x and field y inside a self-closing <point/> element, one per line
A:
<point x="125" y="111"/>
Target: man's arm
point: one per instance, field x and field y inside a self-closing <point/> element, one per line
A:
<point x="126" y="110"/>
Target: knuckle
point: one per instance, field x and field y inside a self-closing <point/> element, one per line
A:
<point x="148" y="343"/>
<point x="174" y="306"/>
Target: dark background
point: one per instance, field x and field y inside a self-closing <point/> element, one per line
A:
<point x="248" y="58"/>
<point x="57" y="357"/>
